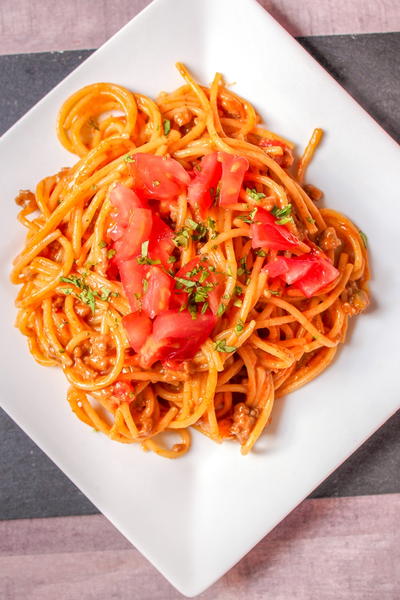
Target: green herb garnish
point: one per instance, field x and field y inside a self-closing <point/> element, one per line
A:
<point x="283" y="215"/>
<point x="239" y="326"/>
<point x="167" y="126"/>
<point x="254" y="195"/>
<point x="221" y="346"/>
<point x="243" y="270"/>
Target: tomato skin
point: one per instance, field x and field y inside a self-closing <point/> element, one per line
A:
<point x="266" y="233"/>
<point x="216" y="279"/>
<point x="321" y="274"/>
<point x="158" y="293"/>
<point x="137" y="232"/>
<point x="124" y="202"/>
<point x="200" y="196"/>
<point x="161" y="245"/>
<point x="309" y="273"/>
<point x="176" y="336"/>
<point x="289" y="269"/>
<point x="233" y="172"/>
<point x="138" y="327"/>
<point x="158" y="176"/>
<point x="132" y="275"/>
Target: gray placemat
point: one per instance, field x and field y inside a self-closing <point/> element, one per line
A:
<point x="368" y="67"/>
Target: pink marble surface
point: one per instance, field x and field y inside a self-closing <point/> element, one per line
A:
<point x="327" y="549"/>
<point x="44" y="25"/>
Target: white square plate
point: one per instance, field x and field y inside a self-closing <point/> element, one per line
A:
<point x="194" y="518"/>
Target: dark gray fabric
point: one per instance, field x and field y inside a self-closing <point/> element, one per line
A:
<point x="368" y="67"/>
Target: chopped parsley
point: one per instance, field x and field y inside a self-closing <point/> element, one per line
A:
<point x="243" y="270"/>
<point x="239" y="326"/>
<point x="67" y="291"/>
<point x="238" y="290"/>
<point x="310" y="220"/>
<point x="182" y="283"/>
<point x="105" y="294"/>
<point x="283" y="215"/>
<point x="204" y="308"/>
<point x="128" y="158"/>
<point x="238" y="303"/>
<point x="111" y="253"/>
<point x="144" y="258"/>
<point x="102" y="244"/>
<point x="182" y="237"/>
<point x="364" y="238"/>
<point x="172" y="259"/>
<point x="248" y="218"/>
<point x="254" y="195"/>
<point x="199" y="230"/>
<point x="197" y="293"/>
<point x="274" y="292"/>
<point x="221" y="346"/>
<point x="145" y="285"/>
<point x="167" y="126"/>
<point x="261" y="252"/>
<point x="87" y="295"/>
<point x="221" y="309"/>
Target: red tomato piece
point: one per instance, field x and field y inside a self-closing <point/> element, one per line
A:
<point x="176" y="336"/>
<point x="157" y="291"/>
<point x="123" y="390"/>
<point x="132" y="275"/>
<point x="233" y="172"/>
<point x="288" y="269"/>
<point x="215" y="279"/>
<point x="309" y="273"/>
<point x="138" y="327"/>
<point x="161" y="245"/>
<point x="201" y="192"/>
<point x="321" y="274"/>
<point x="158" y="176"/>
<point x="266" y="233"/>
<point x="124" y="201"/>
<point x="137" y="232"/>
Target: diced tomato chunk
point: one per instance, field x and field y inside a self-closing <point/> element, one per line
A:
<point x="161" y="245"/>
<point x="157" y="291"/>
<point x="158" y="176"/>
<point x="309" y="273"/>
<point x="132" y="275"/>
<point x="124" y="201"/>
<point x="233" y="172"/>
<point x="266" y="233"/>
<point x="202" y="188"/>
<point x="137" y="232"/>
<point x="176" y="336"/>
<point x="138" y="327"/>
<point x="321" y="274"/>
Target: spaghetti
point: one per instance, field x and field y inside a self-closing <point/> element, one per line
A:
<point x="181" y="273"/>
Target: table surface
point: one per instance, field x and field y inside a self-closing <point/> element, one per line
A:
<point x="343" y="542"/>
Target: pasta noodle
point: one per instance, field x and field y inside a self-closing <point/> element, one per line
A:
<point x="284" y="304"/>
